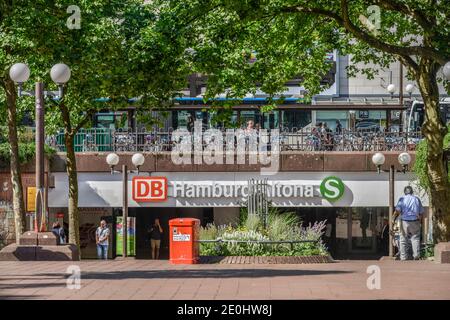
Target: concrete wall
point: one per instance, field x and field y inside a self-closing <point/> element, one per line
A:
<point x="288" y="161"/>
<point x="361" y="85"/>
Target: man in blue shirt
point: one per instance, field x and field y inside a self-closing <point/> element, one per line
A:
<point x="410" y="209"/>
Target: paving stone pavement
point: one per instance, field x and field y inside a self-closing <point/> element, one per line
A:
<point x="147" y="279"/>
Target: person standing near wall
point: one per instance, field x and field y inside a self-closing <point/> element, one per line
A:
<point x="338" y="127"/>
<point x="58" y="231"/>
<point x="102" y="240"/>
<point x="410" y="209"/>
<point x="155" y="238"/>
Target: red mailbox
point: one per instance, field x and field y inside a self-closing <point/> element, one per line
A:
<point x="184" y="233"/>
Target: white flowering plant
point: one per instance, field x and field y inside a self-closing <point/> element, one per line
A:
<point x="280" y="227"/>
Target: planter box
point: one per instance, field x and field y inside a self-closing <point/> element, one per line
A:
<point x="16" y="252"/>
<point x="442" y="252"/>
<point x="29" y="238"/>
<point x="266" y="259"/>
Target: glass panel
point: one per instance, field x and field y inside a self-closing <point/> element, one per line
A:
<point x="182" y="119"/>
<point x="112" y="121"/>
<point x="247" y="115"/>
<point x="382" y="228"/>
<point x="330" y="118"/>
<point x="364" y="228"/>
<point x="295" y="119"/>
<point x="270" y="120"/>
<point x="361" y="232"/>
<point x="370" y="120"/>
<point x="222" y="119"/>
<point x="342" y="230"/>
<point x="395" y="120"/>
<point x="105" y="121"/>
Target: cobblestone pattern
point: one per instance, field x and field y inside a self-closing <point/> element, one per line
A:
<point x="158" y="279"/>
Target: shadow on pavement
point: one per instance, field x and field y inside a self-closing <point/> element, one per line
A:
<point x="30" y="285"/>
<point x="201" y="274"/>
<point x="19" y="297"/>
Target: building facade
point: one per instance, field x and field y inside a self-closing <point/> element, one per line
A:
<point x="216" y="194"/>
<point x="359" y="104"/>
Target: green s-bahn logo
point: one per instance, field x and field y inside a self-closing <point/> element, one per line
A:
<point x="332" y="188"/>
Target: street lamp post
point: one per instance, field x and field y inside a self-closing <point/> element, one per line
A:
<point x="112" y="160"/>
<point x="404" y="159"/>
<point x="60" y="74"/>
<point x="391" y="89"/>
<point x="446" y="70"/>
<point x="409" y="89"/>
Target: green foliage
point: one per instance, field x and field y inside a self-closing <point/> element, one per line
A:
<point x="243" y="213"/>
<point x="26" y="152"/>
<point x="281" y="226"/>
<point x="211" y="232"/>
<point x="244" y="249"/>
<point x="428" y="251"/>
<point x="242" y="45"/>
<point x="252" y="223"/>
<point x="117" y="53"/>
<point x="420" y="164"/>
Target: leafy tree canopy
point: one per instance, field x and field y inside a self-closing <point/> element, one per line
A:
<point x="106" y="53"/>
<point x="292" y="37"/>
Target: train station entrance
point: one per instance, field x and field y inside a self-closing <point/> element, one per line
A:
<point x="350" y="232"/>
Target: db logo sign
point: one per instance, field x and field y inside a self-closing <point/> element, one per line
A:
<point x="149" y="189"/>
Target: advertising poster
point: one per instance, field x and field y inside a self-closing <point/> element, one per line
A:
<point x="131" y="236"/>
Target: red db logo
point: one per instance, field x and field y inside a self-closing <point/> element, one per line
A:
<point x="149" y="189"/>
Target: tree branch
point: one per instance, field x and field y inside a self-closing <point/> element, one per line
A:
<point x="418" y="15"/>
<point x="345" y="22"/>
<point x="393" y="49"/>
<point x="85" y="120"/>
<point x="410" y="63"/>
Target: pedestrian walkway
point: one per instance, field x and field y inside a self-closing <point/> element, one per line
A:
<point x="146" y="279"/>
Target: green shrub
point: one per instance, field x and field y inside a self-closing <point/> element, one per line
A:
<point x="244" y="249"/>
<point x="211" y="232"/>
<point x="280" y="227"/>
<point x="26" y="152"/>
<point x="252" y="223"/>
<point x="427" y="251"/>
<point x="243" y="213"/>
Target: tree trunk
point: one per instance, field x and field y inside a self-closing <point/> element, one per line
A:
<point x="16" y="180"/>
<point x="434" y="131"/>
<point x="74" y="225"/>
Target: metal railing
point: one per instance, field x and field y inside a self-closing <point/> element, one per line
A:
<point x="106" y="140"/>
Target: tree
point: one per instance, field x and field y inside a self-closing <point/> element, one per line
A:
<point x="102" y="44"/>
<point x="87" y="38"/>
<point x="292" y="37"/>
<point x="92" y="42"/>
<point x="13" y="47"/>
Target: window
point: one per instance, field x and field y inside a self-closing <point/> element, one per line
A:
<point x="330" y="117"/>
<point x="295" y="119"/>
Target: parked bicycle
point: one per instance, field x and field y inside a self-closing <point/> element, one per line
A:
<point x="124" y="142"/>
<point x="89" y="144"/>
